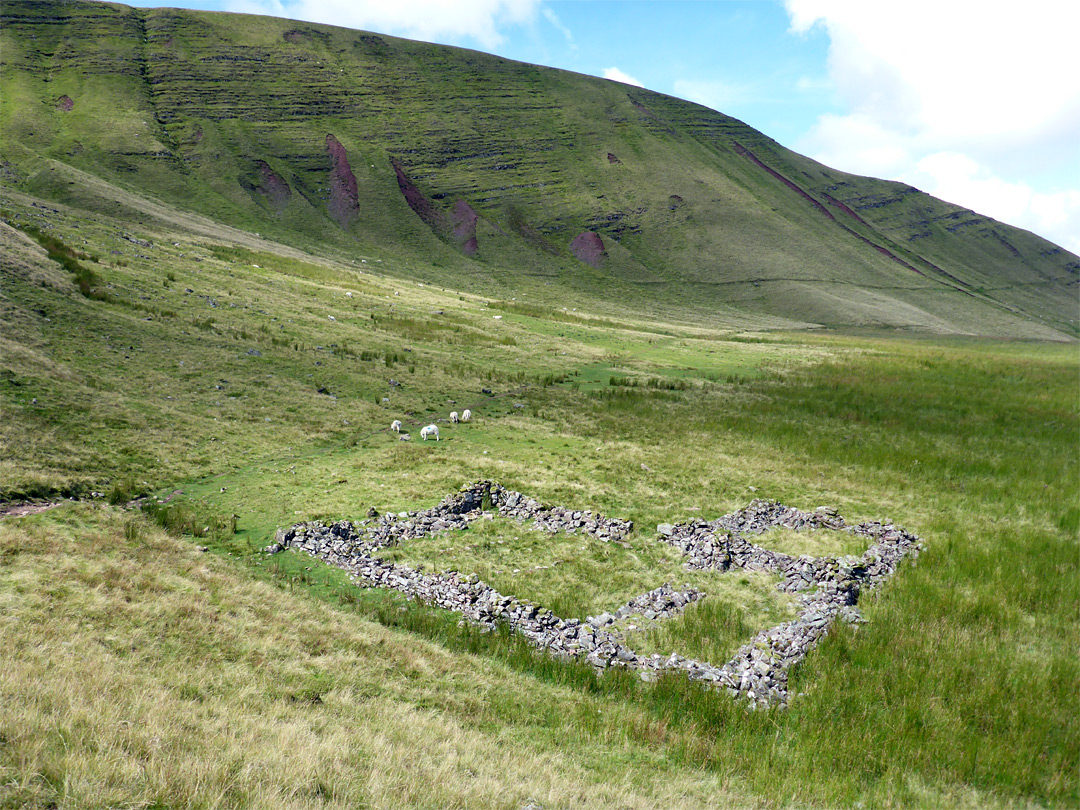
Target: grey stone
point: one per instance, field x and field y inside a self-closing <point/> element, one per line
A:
<point x="827" y="588"/>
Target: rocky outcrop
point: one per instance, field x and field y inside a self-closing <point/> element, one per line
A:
<point x="827" y="588"/>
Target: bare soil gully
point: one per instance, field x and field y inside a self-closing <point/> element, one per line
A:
<point x="827" y="588"/>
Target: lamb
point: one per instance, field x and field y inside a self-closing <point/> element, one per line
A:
<point x="466" y="415"/>
<point x="396" y="426"/>
<point x="453" y="417"/>
<point x="430" y="430"/>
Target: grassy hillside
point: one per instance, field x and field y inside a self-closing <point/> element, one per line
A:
<point x="480" y="173"/>
<point x="200" y="364"/>
<point x="206" y="331"/>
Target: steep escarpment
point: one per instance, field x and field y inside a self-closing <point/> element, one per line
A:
<point x="481" y="171"/>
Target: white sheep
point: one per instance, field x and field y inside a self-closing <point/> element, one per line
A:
<point x="453" y="417"/>
<point x="396" y="426"/>
<point x="430" y="430"/>
<point x="466" y="415"/>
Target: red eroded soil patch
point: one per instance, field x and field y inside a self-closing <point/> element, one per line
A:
<point x="641" y="108"/>
<point x="837" y="204"/>
<point x="463" y="219"/>
<point x="273" y="187"/>
<point x="344" y="200"/>
<point x="417" y="201"/>
<point x="588" y="247"/>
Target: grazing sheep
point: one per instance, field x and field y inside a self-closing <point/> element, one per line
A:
<point x="396" y="426"/>
<point x="348" y="295"/>
<point x="430" y="430"/>
<point x="466" y="415"/>
<point x="453" y="417"/>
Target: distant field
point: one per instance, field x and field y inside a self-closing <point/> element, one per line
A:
<point x="141" y="671"/>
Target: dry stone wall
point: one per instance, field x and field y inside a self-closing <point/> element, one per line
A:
<point x="827" y="588"/>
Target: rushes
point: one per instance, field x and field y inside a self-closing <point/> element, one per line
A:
<point x="183" y="518"/>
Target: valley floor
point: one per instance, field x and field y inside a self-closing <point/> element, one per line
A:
<point x="156" y="657"/>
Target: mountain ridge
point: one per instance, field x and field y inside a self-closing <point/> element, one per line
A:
<point x="483" y="173"/>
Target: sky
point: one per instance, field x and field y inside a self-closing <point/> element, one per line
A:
<point x="974" y="101"/>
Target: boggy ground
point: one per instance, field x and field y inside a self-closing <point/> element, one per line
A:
<point x="140" y="670"/>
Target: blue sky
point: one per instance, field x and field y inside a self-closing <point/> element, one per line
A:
<point x="975" y="102"/>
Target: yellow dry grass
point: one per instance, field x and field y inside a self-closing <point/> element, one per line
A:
<point x="141" y="672"/>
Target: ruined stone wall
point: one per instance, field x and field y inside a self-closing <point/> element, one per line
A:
<point x="827" y="587"/>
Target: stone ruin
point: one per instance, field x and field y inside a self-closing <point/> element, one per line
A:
<point x="826" y="588"/>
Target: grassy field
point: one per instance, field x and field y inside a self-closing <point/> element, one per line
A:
<point x="236" y="381"/>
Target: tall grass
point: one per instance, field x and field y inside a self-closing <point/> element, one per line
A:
<point x="960" y="688"/>
<point x="145" y="673"/>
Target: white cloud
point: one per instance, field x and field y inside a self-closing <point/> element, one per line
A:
<point x="617" y="75"/>
<point x="552" y="18"/>
<point x="447" y="21"/>
<point x="960" y="179"/>
<point x="976" y="100"/>
<point x="812" y="84"/>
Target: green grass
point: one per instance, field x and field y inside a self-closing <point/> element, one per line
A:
<point x="191" y="109"/>
<point x="243" y="408"/>
<point x="814" y="542"/>
<point x="88" y="282"/>
<point x="576" y="575"/>
<point x="713" y="628"/>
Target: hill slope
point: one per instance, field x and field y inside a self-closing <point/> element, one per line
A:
<point x="490" y="175"/>
<point x="168" y="331"/>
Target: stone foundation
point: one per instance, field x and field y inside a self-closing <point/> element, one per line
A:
<point x="827" y="587"/>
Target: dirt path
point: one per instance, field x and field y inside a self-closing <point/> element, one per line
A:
<point x="23" y="509"/>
